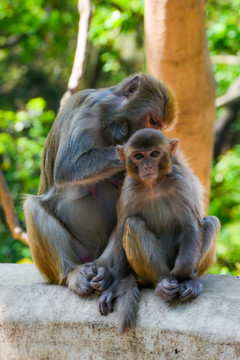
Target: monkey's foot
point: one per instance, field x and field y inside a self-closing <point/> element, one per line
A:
<point x="106" y="302"/>
<point x="79" y="279"/>
<point x="189" y="289"/>
<point x="167" y="289"/>
<point x="102" y="280"/>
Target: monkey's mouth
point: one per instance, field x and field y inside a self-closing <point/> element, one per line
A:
<point x="149" y="177"/>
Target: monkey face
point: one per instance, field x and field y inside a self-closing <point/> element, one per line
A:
<point x="147" y="163"/>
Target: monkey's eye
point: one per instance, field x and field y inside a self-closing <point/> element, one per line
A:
<point x="153" y="122"/>
<point x="155" y="154"/>
<point x="138" y="156"/>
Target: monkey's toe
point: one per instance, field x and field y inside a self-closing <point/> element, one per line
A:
<point x="82" y="286"/>
<point x="189" y="289"/>
<point x="167" y="289"/>
<point x="102" y="280"/>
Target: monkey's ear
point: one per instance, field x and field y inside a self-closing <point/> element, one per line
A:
<point x="131" y="87"/>
<point x="120" y="152"/>
<point x="174" y="145"/>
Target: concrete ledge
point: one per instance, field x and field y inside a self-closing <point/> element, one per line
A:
<point x="40" y="321"/>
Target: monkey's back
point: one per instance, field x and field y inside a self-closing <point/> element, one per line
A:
<point x="61" y="128"/>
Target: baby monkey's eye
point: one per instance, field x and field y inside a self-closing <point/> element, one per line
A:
<point x="138" y="156"/>
<point x="155" y="154"/>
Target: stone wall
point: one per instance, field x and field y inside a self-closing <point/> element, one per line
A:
<point x="45" y="322"/>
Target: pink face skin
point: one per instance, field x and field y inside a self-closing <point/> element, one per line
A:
<point x="147" y="163"/>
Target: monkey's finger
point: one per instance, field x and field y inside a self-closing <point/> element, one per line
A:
<point x="102" y="281"/>
<point x="90" y="271"/>
<point x="167" y="297"/>
<point x="192" y="290"/>
<point x="170" y="292"/>
<point x="103" y="308"/>
<point x="82" y="286"/>
<point x="170" y="284"/>
<point x="102" y="304"/>
<point x="105" y="304"/>
<point x="100" y="274"/>
<point x="186" y="292"/>
<point x="187" y="295"/>
<point x="110" y="303"/>
<point x="166" y="294"/>
<point x="97" y="286"/>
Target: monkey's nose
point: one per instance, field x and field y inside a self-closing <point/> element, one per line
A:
<point x="147" y="166"/>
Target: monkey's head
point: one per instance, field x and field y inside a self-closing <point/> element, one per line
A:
<point x="140" y="101"/>
<point x="148" y="155"/>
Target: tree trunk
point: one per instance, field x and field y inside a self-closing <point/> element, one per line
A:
<point x="177" y="52"/>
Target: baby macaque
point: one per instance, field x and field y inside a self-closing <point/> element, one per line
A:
<point x="161" y="236"/>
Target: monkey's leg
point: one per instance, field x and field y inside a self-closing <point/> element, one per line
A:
<point x="190" y="289"/>
<point x="52" y="248"/>
<point x="147" y="257"/>
<point x="211" y="228"/>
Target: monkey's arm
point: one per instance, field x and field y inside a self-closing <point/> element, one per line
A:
<point x="86" y="168"/>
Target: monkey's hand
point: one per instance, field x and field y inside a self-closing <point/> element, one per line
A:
<point x="102" y="280"/>
<point x="106" y="302"/>
<point x="106" y="299"/>
<point x="189" y="289"/>
<point x="167" y="289"/>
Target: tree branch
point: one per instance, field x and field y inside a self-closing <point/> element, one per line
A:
<point x="228" y="99"/>
<point x="10" y="214"/>
<point x="222" y="125"/>
<point x="225" y="59"/>
<point x="84" y="9"/>
<point x="232" y="96"/>
<point x="231" y="102"/>
<point x="13" y="40"/>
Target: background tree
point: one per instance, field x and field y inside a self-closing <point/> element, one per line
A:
<point x="177" y="52"/>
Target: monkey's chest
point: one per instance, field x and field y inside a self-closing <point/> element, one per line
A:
<point x="161" y="218"/>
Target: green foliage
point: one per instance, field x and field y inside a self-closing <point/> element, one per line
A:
<point x="223" y="32"/>
<point x="22" y="136"/>
<point x="39" y="59"/>
<point x="115" y="33"/>
<point x="223" y="26"/>
<point x="225" y="204"/>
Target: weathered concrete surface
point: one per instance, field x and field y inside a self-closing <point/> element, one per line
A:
<point x="39" y="321"/>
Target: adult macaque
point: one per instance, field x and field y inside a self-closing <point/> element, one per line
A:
<point x="71" y="220"/>
<point x="161" y="236"/>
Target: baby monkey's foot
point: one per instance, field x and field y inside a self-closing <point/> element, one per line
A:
<point x="101" y="280"/>
<point x="189" y="289"/>
<point x="167" y="289"/>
